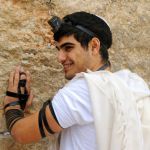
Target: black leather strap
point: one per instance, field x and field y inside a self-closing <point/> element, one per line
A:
<point x="17" y="95"/>
<point x="12" y="116"/>
<point x="42" y="120"/>
<point x="52" y="111"/>
<point x="107" y="64"/>
<point x="15" y="120"/>
<point x="11" y="104"/>
<point x="22" y="83"/>
<point x="45" y="119"/>
<point x="12" y="94"/>
<point x="41" y="125"/>
<point x="22" y="97"/>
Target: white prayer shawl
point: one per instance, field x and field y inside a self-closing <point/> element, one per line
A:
<point x="116" y="115"/>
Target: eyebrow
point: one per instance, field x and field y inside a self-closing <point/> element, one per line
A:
<point x="64" y="44"/>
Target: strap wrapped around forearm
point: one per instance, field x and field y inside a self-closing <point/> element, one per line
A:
<point x="41" y="124"/>
<point x="53" y="113"/>
<point x="12" y="116"/>
<point x="42" y="120"/>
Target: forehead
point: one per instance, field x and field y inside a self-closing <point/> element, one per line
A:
<point x="66" y="39"/>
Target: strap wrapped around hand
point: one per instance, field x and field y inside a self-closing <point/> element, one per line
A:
<point x="12" y="94"/>
<point x="11" y="104"/>
<point x="22" y="97"/>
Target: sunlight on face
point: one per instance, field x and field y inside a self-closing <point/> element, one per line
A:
<point x="73" y="57"/>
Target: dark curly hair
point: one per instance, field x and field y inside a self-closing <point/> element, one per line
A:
<point x="91" y="22"/>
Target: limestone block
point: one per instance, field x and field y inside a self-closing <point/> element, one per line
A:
<point x="25" y="38"/>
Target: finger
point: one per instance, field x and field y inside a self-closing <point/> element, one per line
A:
<point x="16" y="76"/>
<point x="29" y="102"/>
<point x="30" y="99"/>
<point x="22" y="69"/>
<point x="22" y="77"/>
<point x="28" y="78"/>
<point x="11" y="79"/>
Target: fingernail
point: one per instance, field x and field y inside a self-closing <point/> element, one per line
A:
<point x="21" y="69"/>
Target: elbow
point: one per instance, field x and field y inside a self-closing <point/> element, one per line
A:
<point x="24" y="132"/>
<point x="18" y="137"/>
<point x="19" y="140"/>
<point x="18" y="133"/>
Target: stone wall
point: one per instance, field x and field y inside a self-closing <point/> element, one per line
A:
<point x="25" y="38"/>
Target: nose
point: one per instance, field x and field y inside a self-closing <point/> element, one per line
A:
<point x="61" y="56"/>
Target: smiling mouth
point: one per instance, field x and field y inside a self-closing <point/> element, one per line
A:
<point x="67" y="66"/>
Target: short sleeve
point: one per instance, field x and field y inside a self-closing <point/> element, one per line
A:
<point x="72" y="105"/>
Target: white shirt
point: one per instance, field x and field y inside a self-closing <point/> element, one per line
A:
<point x="72" y="107"/>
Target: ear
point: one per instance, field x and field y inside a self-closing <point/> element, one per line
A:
<point x="95" y="45"/>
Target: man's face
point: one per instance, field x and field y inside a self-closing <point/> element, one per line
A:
<point x="73" y="57"/>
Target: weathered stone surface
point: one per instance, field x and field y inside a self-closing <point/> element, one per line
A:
<point x="25" y="38"/>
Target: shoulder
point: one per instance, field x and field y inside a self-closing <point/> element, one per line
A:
<point x="72" y="104"/>
<point x="76" y="87"/>
<point x="133" y="80"/>
<point x="75" y="92"/>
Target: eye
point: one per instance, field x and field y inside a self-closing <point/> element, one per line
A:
<point x="68" y="48"/>
<point x="57" y="49"/>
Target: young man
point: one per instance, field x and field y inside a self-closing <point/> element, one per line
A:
<point x="82" y="40"/>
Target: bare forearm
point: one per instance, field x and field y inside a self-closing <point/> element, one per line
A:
<point x="26" y="130"/>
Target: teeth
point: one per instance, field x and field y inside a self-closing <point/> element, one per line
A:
<point x="67" y="65"/>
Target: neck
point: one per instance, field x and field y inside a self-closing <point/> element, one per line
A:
<point x="104" y="66"/>
<point x="99" y="64"/>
